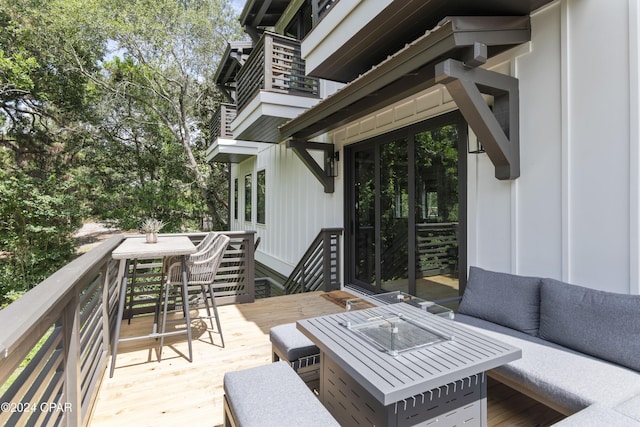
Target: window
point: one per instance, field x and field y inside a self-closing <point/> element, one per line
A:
<point x="235" y="198"/>
<point x="261" y="200"/>
<point x="247" y="197"/>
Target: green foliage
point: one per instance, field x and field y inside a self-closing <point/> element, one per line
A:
<point x="104" y="106"/>
<point x="158" y="85"/>
<point x="38" y="218"/>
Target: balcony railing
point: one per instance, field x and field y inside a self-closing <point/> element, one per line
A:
<point x="220" y="126"/>
<point x="275" y="65"/>
<point x="55" y="340"/>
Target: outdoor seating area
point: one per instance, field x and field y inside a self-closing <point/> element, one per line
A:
<point x="579" y="345"/>
<point x="373" y="213"/>
<point x="248" y="345"/>
<point x="290" y="328"/>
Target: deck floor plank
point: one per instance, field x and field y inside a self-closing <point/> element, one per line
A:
<point x="173" y="392"/>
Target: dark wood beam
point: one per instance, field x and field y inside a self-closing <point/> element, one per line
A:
<point x="323" y="174"/>
<point x="498" y="130"/>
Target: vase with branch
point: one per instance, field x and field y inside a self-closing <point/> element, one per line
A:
<point x="151" y="227"/>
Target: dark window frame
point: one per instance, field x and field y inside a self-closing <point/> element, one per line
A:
<point x="261" y="196"/>
<point x="248" y="195"/>
<point x="236" y="197"/>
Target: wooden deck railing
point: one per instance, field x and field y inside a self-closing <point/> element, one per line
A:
<point x="220" y="126"/>
<point x="319" y="268"/>
<point x="275" y="65"/>
<point x="55" y="340"/>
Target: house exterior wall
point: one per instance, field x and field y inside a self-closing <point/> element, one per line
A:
<point x="296" y="207"/>
<point x="573" y="214"/>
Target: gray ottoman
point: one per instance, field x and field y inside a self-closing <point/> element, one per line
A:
<point x="292" y="346"/>
<point x="271" y="395"/>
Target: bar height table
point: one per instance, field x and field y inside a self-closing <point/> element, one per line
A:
<point x="136" y="248"/>
<point x="362" y="383"/>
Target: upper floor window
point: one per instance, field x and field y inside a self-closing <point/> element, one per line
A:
<point x="247" y="197"/>
<point x="261" y="197"/>
<point x="235" y="198"/>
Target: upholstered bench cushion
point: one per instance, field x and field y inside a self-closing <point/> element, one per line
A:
<point x="292" y="343"/>
<point x="273" y="395"/>
<point x="502" y="298"/>
<point x="602" y="324"/>
<point x="598" y="416"/>
<point x="566" y="377"/>
<point x="630" y="408"/>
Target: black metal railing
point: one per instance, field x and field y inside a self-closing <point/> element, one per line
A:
<point x="55" y="340"/>
<point x="275" y="65"/>
<point x="319" y="268"/>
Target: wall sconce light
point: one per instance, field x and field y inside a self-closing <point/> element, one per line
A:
<point x="330" y="166"/>
<point x="474" y="146"/>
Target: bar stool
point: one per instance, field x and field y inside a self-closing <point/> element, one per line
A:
<point x="201" y="272"/>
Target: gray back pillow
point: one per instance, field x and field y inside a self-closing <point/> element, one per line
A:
<point x="603" y="324"/>
<point x="502" y="298"/>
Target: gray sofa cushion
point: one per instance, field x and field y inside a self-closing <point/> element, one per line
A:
<point x="598" y="416"/>
<point x="502" y="298"/>
<point x="602" y="324"/>
<point x="568" y="378"/>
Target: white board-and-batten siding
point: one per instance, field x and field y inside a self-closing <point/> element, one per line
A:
<point x="573" y="214"/>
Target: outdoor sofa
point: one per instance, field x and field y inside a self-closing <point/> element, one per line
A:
<point x="580" y="346"/>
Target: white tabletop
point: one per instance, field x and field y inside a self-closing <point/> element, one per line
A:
<point x="138" y="248"/>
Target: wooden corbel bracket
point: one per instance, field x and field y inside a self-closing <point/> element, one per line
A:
<point x="497" y="129"/>
<point x="326" y="174"/>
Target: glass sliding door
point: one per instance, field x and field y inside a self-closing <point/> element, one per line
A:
<point x="406" y="209"/>
<point x="437" y="212"/>
<point x="364" y="218"/>
<point x="394" y="215"/>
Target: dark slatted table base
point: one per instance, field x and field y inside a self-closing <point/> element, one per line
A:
<point x="462" y="402"/>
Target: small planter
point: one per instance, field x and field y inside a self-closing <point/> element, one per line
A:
<point x="151" y="227"/>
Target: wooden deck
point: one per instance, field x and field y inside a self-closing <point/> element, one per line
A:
<point x="173" y="392"/>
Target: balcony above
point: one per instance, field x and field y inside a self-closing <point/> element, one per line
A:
<point x="220" y="126"/>
<point x="351" y="36"/>
<point x="222" y="147"/>
<point x="258" y="15"/>
<point x="272" y="88"/>
<point x="235" y="55"/>
<point x="232" y="151"/>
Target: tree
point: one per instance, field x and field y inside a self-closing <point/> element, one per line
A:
<point x="44" y="117"/>
<point x="163" y="56"/>
<point x="102" y="103"/>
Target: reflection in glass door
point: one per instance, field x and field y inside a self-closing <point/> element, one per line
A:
<point x="393" y="215"/>
<point x="364" y="233"/>
<point x="437" y="212"/>
<point x="406" y="199"/>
